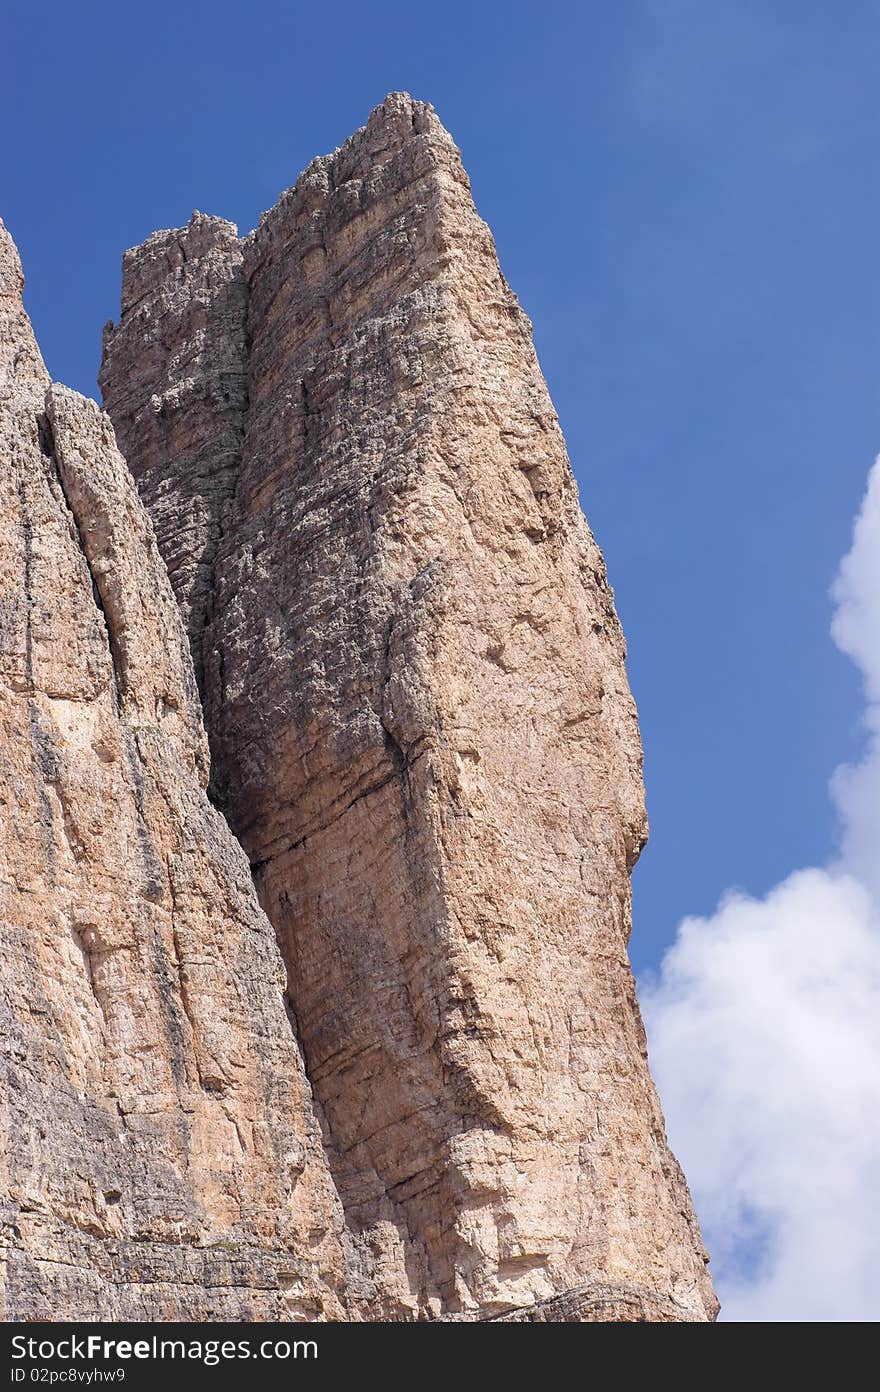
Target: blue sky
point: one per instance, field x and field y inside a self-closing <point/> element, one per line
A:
<point x="685" y="198"/>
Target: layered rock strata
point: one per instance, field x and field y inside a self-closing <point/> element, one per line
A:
<point x="422" y="733"/>
<point x="160" y="1155"/>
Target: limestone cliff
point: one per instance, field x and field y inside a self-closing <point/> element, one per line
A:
<point x="414" y="686"/>
<point x="160" y="1156"/>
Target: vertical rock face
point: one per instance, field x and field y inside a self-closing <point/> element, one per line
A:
<point x="198" y="359"/>
<point x="422" y="733"/>
<point x="160" y="1156"/>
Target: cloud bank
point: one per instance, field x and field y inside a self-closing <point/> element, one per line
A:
<point x="764" y="1030"/>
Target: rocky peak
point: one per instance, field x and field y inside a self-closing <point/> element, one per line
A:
<point x="414" y="686"/>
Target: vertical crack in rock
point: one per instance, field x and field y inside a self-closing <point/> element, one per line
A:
<point x="46" y="437"/>
<point x="161" y="1157"/>
<point x="413" y="679"/>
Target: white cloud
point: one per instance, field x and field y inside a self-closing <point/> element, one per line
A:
<point x="764" y="1030"/>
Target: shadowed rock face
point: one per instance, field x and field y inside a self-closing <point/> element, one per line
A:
<point x="160" y="1154"/>
<point x="422" y="733"/>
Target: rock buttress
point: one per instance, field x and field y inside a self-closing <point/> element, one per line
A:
<point x="161" y="1159"/>
<point x="422" y="732"/>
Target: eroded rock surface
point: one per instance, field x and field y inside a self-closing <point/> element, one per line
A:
<point x="160" y="1156"/>
<point x="422" y="733"/>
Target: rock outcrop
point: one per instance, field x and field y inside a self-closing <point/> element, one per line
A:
<point x="160" y="1155"/>
<point x="422" y="734"/>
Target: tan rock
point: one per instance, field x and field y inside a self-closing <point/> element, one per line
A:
<point x="161" y="1159"/>
<point x="414" y="685"/>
